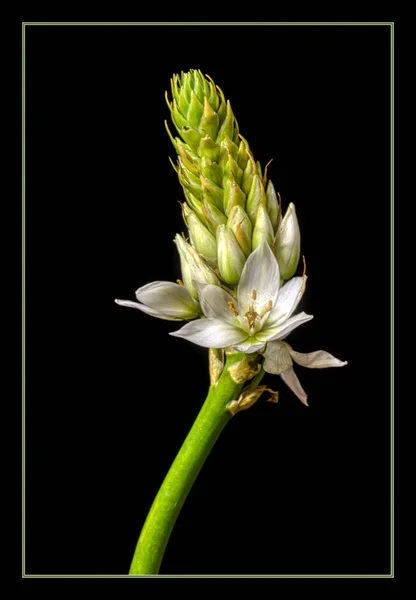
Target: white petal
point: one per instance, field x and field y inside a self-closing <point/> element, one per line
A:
<point x="260" y="273"/>
<point x="214" y="302"/>
<point x="248" y="346"/>
<point x="279" y="332"/>
<point x="316" y="360"/>
<point x="147" y="310"/>
<point x="287" y="300"/>
<point x="290" y="378"/>
<point x="211" y="333"/>
<point x="168" y="298"/>
<point x="277" y="358"/>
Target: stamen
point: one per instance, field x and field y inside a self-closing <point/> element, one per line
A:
<point x="251" y="316"/>
<point x="180" y="282"/>
<point x="269" y="306"/>
<point x="232" y="309"/>
<point x="304" y="266"/>
<point x="253" y="295"/>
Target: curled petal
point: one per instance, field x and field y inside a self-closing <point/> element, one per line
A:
<point x="250" y="345"/>
<point x="277" y="358"/>
<point x="168" y="298"/>
<point x="211" y="333"/>
<point x="290" y="378"/>
<point x="147" y="310"/>
<point x="316" y="360"/>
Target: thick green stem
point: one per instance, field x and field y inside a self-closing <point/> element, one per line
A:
<point x="165" y="509"/>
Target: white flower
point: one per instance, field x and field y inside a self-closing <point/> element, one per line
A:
<point x="278" y="360"/>
<point x="165" y="300"/>
<point x="260" y="314"/>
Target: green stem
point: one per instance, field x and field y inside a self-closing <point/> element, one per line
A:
<point x="166" y="507"/>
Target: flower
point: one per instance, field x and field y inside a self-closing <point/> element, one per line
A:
<point x="165" y="300"/>
<point x="261" y="312"/>
<point x="278" y="360"/>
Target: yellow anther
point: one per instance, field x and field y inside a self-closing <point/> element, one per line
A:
<point x="268" y="306"/>
<point x="253" y="295"/>
<point x="304" y="266"/>
<point x="180" y="282"/>
<point x="232" y="308"/>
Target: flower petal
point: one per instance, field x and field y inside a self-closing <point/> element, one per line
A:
<point x="280" y="331"/>
<point x="290" y="378"/>
<point x="277" y="358"/>
<point x="316" y="360"/>
<point x="287" y="300"/>
<point x="249" y="345"/>
<point x="147" y="310"/>
<point x="214" y="302"/>
<point x="260" y="273"/>
<point x="211" y="333"/>
<point x="168" y="298"/>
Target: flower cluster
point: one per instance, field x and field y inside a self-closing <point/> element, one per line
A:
<point x="238" y="288"/>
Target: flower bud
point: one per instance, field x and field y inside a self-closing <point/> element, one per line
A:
<point x="287" y="244"/>
<point x="201" y="238"/>
<point x="193" y="267"/>
<point x="255" y="197"/>
<point x="240" y="225"/>
<point x="273" y="206"/>
<point x="231" y="258"/>
<point x="263" y="228"/>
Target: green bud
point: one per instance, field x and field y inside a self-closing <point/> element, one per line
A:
<point x="263" y="228"/>
<point x="212" y="171"/>
<point x="232" y="169"/>
<point x="212" y="193"/>
<point x="242" y="155"/>
<point x="212" y="216"/>
<point x="273" y="205"/>
<point x="231" y="258"/>
<point x="209" y="149"/>
<point x="193" y="267"/>
<point x="195" y="110"/>
<point x="233" y="195"/>
<point x="195" y="205"/>
<point x="231" y="147"/>
<point x="229" y="126"/>
<point x="287" y="244"/>
<point x="256" y="197"/>
<point x="201" y="238"/>
<point x="210" y="120"/>
<point x="240" y="225"/>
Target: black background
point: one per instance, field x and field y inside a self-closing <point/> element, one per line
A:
<point x="110" y="395"/>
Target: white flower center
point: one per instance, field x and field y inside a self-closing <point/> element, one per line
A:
<point x="253" y="319"/>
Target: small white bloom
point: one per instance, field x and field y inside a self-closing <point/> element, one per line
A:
<point x="260" y="314"/>
<point x="279" y="357"/>
<point x="165" y="300"/>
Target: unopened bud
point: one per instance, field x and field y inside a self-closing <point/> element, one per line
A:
<point x="263" y="228"/>
<point x="273" y="206"/>
<point x="193" y="267"/>
<point x="287" y="245"/>
<point x="231" y="258"/>
<point x="255" y="198"/>
<point x="201" y="238"/>
<point x="240" y="225"/>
